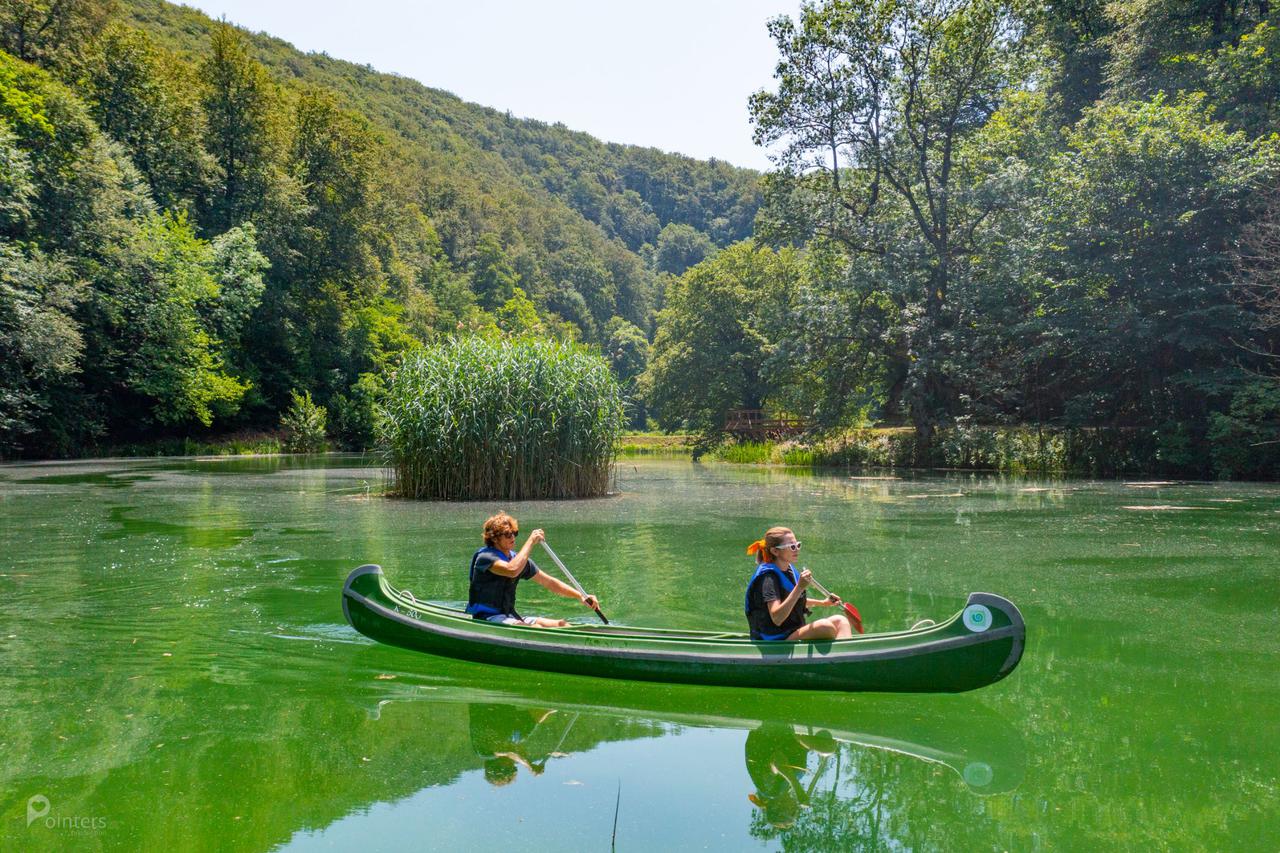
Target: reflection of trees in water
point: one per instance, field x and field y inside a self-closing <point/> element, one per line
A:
<point x="814" y="793"/>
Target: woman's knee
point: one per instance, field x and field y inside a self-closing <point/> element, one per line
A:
<point x="819" y="630"/>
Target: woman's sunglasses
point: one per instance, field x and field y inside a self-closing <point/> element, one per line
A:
<point x="788" y="546"/>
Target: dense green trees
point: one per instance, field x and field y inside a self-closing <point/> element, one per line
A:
<point x="51" y="32"/>
<point x="680" y="247"/>
<point x="1023" y="214"/>
<point x="40" y="342"/>
<point x="875" y="103"/>
<point x="627" y="349"/>
<point x="1148" y="199"/>
<point x="246" y="135"/>
<point x="148" y="102"/>
<point x="198" y="225"/>
<point x="721" y="336"/>
<point x="166" y="315"/>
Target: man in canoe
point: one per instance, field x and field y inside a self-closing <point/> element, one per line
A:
<point x="777" y="600"/>
<point x="497" y="568"/>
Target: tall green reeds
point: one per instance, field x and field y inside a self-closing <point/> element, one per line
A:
<point x="474" y="419"/>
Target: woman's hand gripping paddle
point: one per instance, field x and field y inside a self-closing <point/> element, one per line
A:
<point x="852" y="611"/>
<point x="572" y="579"/>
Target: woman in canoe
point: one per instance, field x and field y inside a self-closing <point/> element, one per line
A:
<point x="497" y="568"/>
<point x="777" y="601"/>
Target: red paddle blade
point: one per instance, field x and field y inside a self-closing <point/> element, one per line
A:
<point x="855" y="616"/>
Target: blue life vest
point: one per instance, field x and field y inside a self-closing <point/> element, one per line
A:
<point x="492" y="594"/>
<point x="787" y="582"/>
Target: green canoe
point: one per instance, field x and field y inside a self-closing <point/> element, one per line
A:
<point x="977" y="646"/>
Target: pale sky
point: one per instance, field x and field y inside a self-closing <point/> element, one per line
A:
<point x="673" y="74"/>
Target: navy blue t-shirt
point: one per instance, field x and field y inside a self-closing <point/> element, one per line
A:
<point x="492" y="594"/>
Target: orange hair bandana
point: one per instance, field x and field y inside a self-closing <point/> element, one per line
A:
<point x="756" y="547"/>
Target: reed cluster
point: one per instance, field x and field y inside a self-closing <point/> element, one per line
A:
<point x="474" y="418"/>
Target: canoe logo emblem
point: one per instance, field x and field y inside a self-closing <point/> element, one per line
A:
<point x="977" y="617"/>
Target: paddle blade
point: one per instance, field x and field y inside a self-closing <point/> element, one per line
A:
<point x="855" y="616"/>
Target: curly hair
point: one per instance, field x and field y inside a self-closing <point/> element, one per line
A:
<point x="496" y="525"/>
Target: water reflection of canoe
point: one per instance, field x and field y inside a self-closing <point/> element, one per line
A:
<point x="974" y="742"/>
<point x="977" y="646"/>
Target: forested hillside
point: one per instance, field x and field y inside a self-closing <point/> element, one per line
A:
<point x="1013" y="215"/>
<point x="198" y="221"/>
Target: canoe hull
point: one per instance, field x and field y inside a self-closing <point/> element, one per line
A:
<point x="947" y="658"/>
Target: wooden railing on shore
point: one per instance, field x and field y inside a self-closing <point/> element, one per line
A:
<point x="756" y="425"/>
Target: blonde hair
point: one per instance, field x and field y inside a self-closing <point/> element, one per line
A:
<point x="772" y="539"/>
<point x="496" y="525"/>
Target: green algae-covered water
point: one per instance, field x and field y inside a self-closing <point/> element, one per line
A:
<point x="175" y="672"/>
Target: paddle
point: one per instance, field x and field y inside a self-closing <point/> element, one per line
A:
<point x="848" y="608"/>
<point x="572" y="579"/>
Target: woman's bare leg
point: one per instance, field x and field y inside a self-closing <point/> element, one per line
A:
<point x="544" y="622"/>
<point x="831" y="628"/>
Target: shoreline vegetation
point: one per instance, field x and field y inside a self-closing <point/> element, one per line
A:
<point x="1090" y="452"/>
<point x="1001" y="449"/>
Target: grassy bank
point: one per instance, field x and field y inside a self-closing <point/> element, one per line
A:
<point x="765" y="453"/>
<point x="655" y="444"/>
<point x="233" y="444"/>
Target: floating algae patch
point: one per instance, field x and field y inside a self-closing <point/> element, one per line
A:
<point x="93" y="478"/>
<point x="201" y="536"/>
